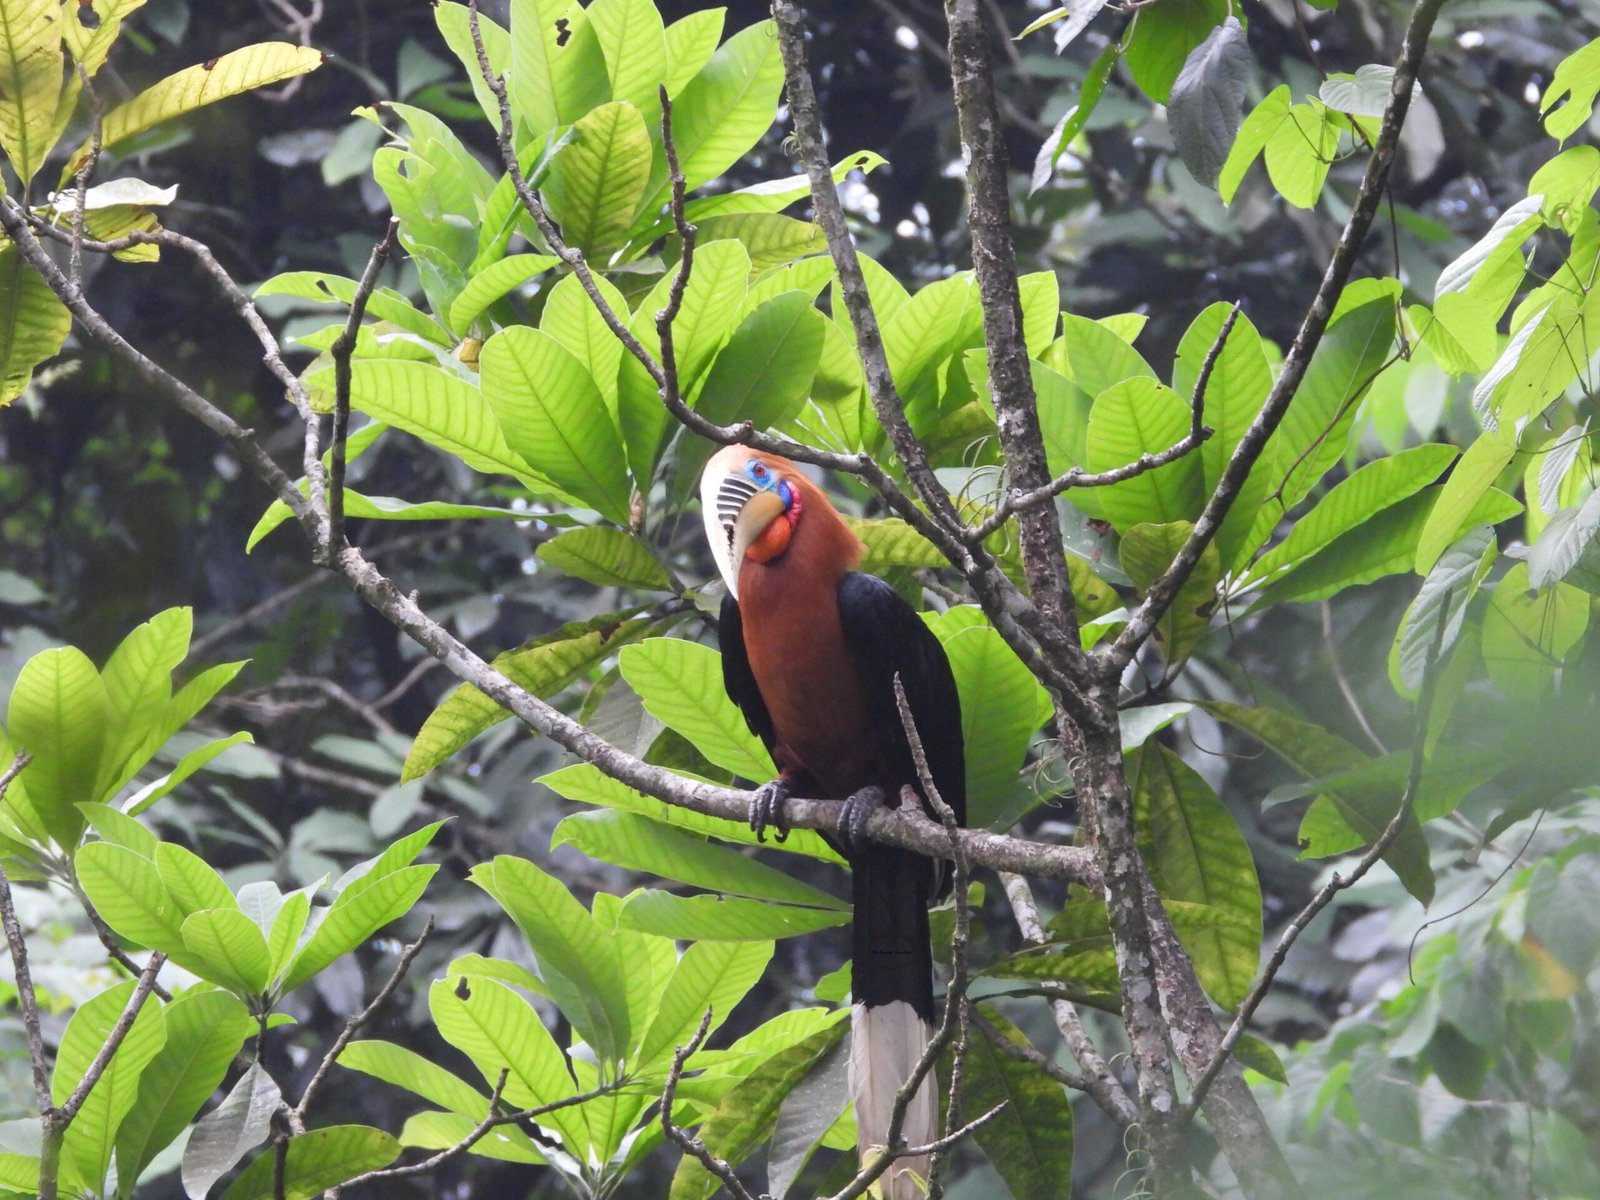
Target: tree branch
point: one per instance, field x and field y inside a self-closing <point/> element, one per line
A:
<point x="682" y="1138"/>
<point x="27" y="998"/>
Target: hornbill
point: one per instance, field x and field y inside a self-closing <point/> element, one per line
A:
<point x="810" y="651"/>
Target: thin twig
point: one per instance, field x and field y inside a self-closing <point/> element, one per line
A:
<point x="27" y="998"/>
<point x="682" y="1138"/>
<point x="343" y="347"/>
<point x="62" y="1117"/>
<point x="1343" y="682"/>
<point x="1025" y="1052"/>
<point x="108" y="939"/>
<point x="357" y="1020"/>
<point x="85" y="173"/>
<point x="1336" y="882"/>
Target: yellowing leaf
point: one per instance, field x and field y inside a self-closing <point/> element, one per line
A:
<point x="30" y="80"/>
<point x="194" y="87"/>
<point x="33" y="323"/>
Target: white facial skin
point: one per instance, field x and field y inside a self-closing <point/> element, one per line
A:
<point x="730" y="530"/>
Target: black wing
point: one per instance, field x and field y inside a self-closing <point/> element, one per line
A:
<point x="887" y="637"/>
<point x="737" y="677"/>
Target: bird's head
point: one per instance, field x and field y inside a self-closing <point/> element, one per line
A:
<point x="751" y="503"/>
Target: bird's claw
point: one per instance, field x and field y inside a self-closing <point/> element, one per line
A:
<point x="858" y="810"/>
<point x="766" y="808"/>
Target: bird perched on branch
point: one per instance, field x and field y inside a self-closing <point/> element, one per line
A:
<point x="810" y="651"/>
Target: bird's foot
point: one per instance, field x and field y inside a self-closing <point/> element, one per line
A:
<point x="766" y="808"/>
<point x="858" y="810"/>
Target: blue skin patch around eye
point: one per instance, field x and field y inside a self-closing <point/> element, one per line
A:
<point x="759" y="474"/>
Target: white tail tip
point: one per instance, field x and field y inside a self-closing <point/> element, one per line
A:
<point x="886" y="1040"/>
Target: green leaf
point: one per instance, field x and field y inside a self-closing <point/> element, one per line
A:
<point x="1163" y="37"/>
<point x="1002" y="707"/>
<point x="33" y="322"/>
<point x="1386" y="544"/>
<point x="1256" y="131"/>
<point x="499" y="1031"/>
<point x="384" y="304"/>
<point x="138" y="683"/>
<point x="1140" y="416"/>
<point x="493" y="282"/>
<point x="231" y="948"/>
<point x="691" y="41"/>
<point x="1207" y="100"/>
<point x="1364" y="94"/>
<point x="86" y="1149"/>
<point x="640" y="844"/>
<point x="205" y="1029"/>
<point x="1313" y="752"/>
<point x="227" y="1133"/>
<point x="723" y="111"/>
<point x="719" y="918"/>
<point x="1443" y="600"/>
<point x="58" y="713"/>
<point x="1503" y="242"/>
<point x="443" y="410"/>
<point x="583" y="970"/>
<point x="1471" y="480"/>
<point x="454" y="25"/>
<point x="118" y="828"/>
<point x="634" y="45"/>
<point x="587" y="784"/>
<point x="1075" y="118"/>
<point x="1459" y="331"/>
<point x="190" y="880"/>
<point x="1030" y="1143"/>
<point x="745" y="1117"/>
<point x="1354" y="501"/>
<point x="30" y="82"/>
<point x="543" y="666"/>
<point x="1576" y="81"/>
<point x="1317" y="426"/>
<point x="1563" y="542"/>
<point x="554" y="416"/>
<point x="1240" y="380"/>
<point x="127" y="892"/>
<point x="315" y="1162"/>
<point x="1095" y="356"/>
<point x="1528" y="634"/>
<point x="1300" y="152"/>
<point x="764" y="373"/>
<point x="597" y="183"/>
<point x="680" y="684"/>
<point x="1197" y="854"/>
<point x="253" y="66"/>
<point x="442" y="1130"/>
<point x="920" y="335"/>
<point x="1567" y="183"/>
<point x="714" y="975"/>
<point x="354" y="917"/>
<point x="283" y="937"/>
<point x="606" y="556"/>
<point x="1147" y="551"/>
<point x="771" y="195"/>
<point x="572" y="319"/>
<point x="771" y="239"/>
<point x="407" y="1069"/>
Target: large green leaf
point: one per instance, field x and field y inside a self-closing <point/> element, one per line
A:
<point x="1197" y="854"/>
<point x="554" y="416"/>
<point x="714" y="975"/>
<point x="231" y="948"/>
<point x="1094" y="356"/>
<point x="1314" y="752"/>
<point x="87" y="1147"/>
<point x="583" y="970"/>
<point x="315" y="1162"/>
<point x="587" y="784"/>
<point x="493" y="282"/>
<point x="126" y="890"/>
<point x="723" y="111"/>
<point x="191" y="882"/>
<point x="138" y="684"/>
<point x="205" y="1030"/>
<point x="194" y="87"/>
<point x="408" y="1069"/>
<point x="572" y="319"/>
<point x="744" y="1119"/>
<point x="1141" y="416"/>
<point x="1528" y="634"/>
<point x="30" y="81"/>
<point x="922" y="333"/>
<point x="1569" y="99"/>
<point x="764" y="373"/>
<point x="1471" y="480"/>
<point x="58" y="714"/>
<point x="606" y="556"/>
<point x="33" y="323"/>
<point x="1002" y="707"/>
<point x="384" y="304"/>
<point x="634" y="44"/>
<point x="558" y="71"/>
<point x="680" y="684"/>
<point x="691" y="41"/>
<point x="1163" y="37"/>
<point x="596" y="184"/>
<point x="499" y="1031"/>
<point x="640" y="844"/>
<point x="1300" y="151"/>
<point x="354" y="917"/>
<point x="1030" y="1143"/>
<point x="722" y="918"/>
<point x="543" y="666"/>
<point x="1354" y="501"/>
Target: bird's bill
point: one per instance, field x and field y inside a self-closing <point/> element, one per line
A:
<point x="736" y="513"/>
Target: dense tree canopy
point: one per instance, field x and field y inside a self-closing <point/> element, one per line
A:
<point x="1232" y="424"/>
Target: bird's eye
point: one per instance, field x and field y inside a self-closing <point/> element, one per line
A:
<point x="758" y="471"/>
